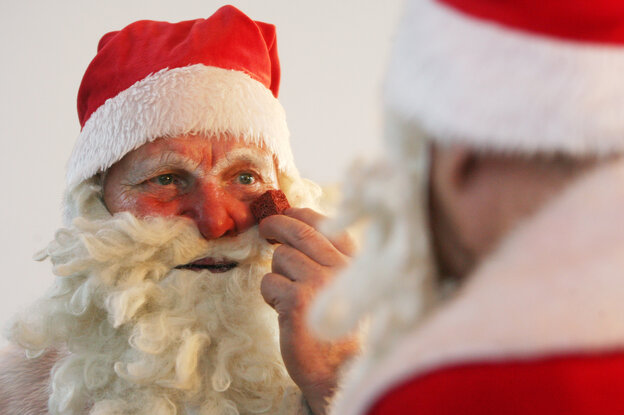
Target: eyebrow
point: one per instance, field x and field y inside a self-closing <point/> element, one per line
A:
<point x="167" y="159"/>
<point x="260" y="161"/>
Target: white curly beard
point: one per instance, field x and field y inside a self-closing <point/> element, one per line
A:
<point x="146" y="338"/>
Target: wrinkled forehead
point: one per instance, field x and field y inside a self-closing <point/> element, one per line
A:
<point x="193" y="150"/>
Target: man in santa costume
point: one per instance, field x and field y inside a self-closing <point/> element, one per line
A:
<point x="493" y="271"/>
<point x="168" y="296"/>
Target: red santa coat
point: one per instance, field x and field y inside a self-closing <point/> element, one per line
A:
<point x="538" y="329"/>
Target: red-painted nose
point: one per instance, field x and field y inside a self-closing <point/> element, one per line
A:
<point x="217" y="213"/>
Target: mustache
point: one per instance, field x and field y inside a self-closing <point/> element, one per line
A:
<point x="126" y="241"/>
<point x="240" y="249"/>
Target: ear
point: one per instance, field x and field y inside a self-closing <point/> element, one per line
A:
<point x="452" y="208"/>
<point x="452" y="167"/>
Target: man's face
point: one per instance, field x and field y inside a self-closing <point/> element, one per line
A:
<point x="137" y="297"/>
<point x="209" y="180"/>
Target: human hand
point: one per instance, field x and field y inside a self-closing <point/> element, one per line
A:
<point x="302" y="265"/>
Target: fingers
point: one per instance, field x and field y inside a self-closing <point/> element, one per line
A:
<point x="343" y="242"/>
<point x="296" y="266"/>
<point x="300" y="235"/>
<point x="274" y="288"/>
<point x="286" y="297"/>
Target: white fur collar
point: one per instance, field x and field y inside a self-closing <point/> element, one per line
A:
<point x="556" y="285"/>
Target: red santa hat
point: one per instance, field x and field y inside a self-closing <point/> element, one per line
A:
<point x="519" y="76"/>
<point x="157" y="79"/>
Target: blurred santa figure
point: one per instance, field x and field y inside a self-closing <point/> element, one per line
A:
<point x="492" y="271"/>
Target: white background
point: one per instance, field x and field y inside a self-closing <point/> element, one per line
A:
<point x="333" y="55"/>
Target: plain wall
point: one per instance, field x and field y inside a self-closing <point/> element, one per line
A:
<point x="333" y="56"/>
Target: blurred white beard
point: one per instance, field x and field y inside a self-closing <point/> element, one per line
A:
<point x="145" y="338"/>
<point x="390" y="286"/>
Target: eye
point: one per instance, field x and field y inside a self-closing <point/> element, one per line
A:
<point x="165" y="179"/>
<point x="246" y="178"/>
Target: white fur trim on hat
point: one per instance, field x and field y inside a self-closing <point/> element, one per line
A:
<point x="475" y="82"/>
<point x="190" y="100"/>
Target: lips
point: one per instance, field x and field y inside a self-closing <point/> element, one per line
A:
<point x="209" y="264"/>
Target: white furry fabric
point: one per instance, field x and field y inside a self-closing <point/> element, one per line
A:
<point x="145" y="338"/>
<point x="554" y="287"/>
<point x="192" y="99"/>
<point x="472" y="81"/>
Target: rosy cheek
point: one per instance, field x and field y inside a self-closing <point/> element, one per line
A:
<point x="149" y="206"/>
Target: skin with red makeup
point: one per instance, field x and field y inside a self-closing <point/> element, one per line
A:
<point x="213" y="182"/>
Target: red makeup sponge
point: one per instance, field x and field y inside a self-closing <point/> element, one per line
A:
<point x="271" y="202"/>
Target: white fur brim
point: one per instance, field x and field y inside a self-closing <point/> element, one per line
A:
<point x="190" y="100"/>
<point x="467" y="80"/>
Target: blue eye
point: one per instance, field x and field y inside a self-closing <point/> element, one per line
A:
<point x="165" y="179"/>
<point x="246" y="178"/>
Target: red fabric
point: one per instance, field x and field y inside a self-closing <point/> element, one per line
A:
<point x="599" y="21"/>
<point x="571" y="385"/>
<point x="228" y="39"/>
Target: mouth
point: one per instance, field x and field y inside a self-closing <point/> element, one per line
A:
<point x="210" y="264"/>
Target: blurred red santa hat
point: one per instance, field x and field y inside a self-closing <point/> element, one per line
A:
<point x="153" y="79"/>
<point x="521" y="76"/>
